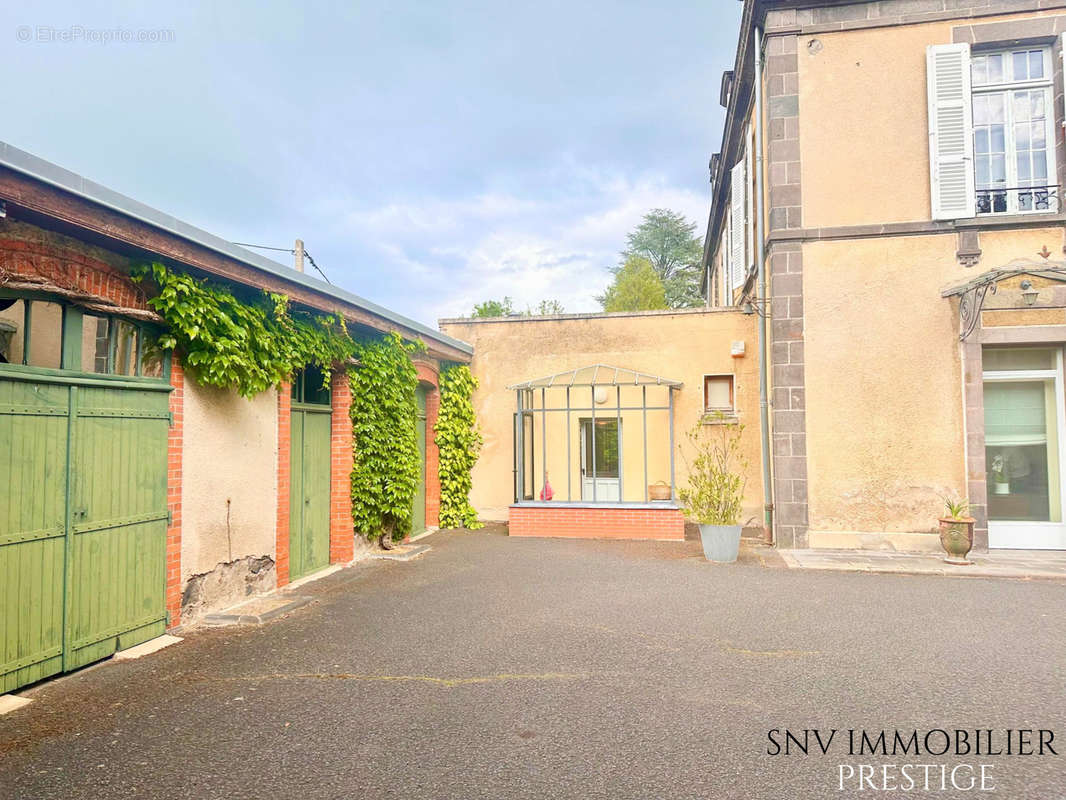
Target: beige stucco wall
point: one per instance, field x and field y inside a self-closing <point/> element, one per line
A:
<point x="864" y="135"/>
<point x="677" y="345"/>
<point x="229" y="488"/>
<point x="885" y="430"/>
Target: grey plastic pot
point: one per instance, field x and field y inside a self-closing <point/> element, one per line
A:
<point x="720" y="542"/>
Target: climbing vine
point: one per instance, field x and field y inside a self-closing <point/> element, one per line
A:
<point x="230" y="343"/>
<point x="387" y="463"/>
<point x="459" y="441"/>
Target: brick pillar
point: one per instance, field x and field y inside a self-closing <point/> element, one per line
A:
<point x="281" y="555"/>
<point x="341" y="528"/>
<point x="174" y="476"/>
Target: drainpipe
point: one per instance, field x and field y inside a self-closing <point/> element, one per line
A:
<point x="760" y="265"/>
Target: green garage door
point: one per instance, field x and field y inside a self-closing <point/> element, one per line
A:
<point x="310" y="461"/>
<point x="83" y="519"/>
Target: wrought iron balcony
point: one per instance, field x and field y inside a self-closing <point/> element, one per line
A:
<point x="1018" y="199"/>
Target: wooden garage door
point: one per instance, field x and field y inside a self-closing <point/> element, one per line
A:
<point x="83" y="518"/>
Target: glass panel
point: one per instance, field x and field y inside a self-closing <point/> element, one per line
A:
<point x="12" y="318"/>
<point x="606" y="447"/>
<point x="1002" y="359"/>
<point x="1022" y="104"/>
<point x="530" y="449"/>
<point x="1036" y="63"/>
<point x="1021" y="66"/>
<point x="979" y="70"/>
<point x="995" y="68"/>
<point x="125" y="349"/>
<point x="46" y="334"/>
<point x="980" y="140"/>
<point x="719" y="394"/>
<point x="1021" y="451"/>
<point x="95" y="343"/>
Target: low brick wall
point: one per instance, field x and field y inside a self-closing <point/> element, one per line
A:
<point x="597" y="522"/>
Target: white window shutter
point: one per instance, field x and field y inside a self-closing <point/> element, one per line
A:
<point x="951" y="167"/>
<point x="739" y="207"/>
<point x="749" y="219"/>
<point x="727" y="259"/>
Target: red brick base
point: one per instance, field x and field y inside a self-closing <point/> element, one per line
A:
<point x="591" y="522"/>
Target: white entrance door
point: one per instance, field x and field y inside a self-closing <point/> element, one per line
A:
<point x="604" y="485"/>
<point x="1025" y="460"/>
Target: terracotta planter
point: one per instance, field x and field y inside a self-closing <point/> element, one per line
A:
<point x="956" y="537"/>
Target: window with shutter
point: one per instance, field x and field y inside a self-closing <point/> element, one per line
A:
<point x="951" y="165"/>
<point x="739" y="205"/>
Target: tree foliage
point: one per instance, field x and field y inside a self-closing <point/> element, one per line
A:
<point x="549" y="307"/>
<point x="247" y="346"/>
<point x="493" y="308"/>
<point x="459" y="441"/>
<point x="387" y="465"/>
<point x="669" y="242"/>
<point x="636" y="287"/>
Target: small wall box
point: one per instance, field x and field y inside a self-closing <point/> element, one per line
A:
<point x="737" y="350"/>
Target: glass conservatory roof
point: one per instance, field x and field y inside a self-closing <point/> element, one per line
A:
<point x="598" y="375"/>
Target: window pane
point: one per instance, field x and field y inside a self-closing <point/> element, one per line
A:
<point x="999" y="170"/>
<point x="996" y="107"/>
<point x="1021" y="450"/>
<point x="95" y="343"/>
<point x="995" y="68"/>
<point x="719" y="392"/>
<point x="1036" y="100"/>
<point x="1036" y="64"/>
<point x="1016" y="358"/>
<point x="1021" y="136"/>
<point x="1037" y="139"/>
<point x="1022" y="105"/>
<point x="46" y="334"/>
<point x="1040" y="167"/>
<point x="1021" y="63"/>
<point x="125" y="349"/>
<point x="12" y="319"/>
<point x="980" y="140"/>
<point x="980" y="110"/>
<point x="998" y="139"/>
<point x="979" y="71"/>
<point x="1023" y="167"/>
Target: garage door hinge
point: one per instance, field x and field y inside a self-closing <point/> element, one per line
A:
<point x="170" y="418"/>
<point x="170" y="517"/>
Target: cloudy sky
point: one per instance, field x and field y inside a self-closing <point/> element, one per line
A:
<point x="431" y="154"/>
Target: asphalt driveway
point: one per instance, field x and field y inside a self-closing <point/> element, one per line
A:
<point x="499" y="668"/>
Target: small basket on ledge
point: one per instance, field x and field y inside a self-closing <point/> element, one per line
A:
<point x="660" y="490"/>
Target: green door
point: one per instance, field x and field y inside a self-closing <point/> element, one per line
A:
<point x="309" y="476"/>
<point x="83" y="518"/>
<point x="418" y="512"/>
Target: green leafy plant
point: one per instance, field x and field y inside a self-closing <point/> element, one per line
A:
<point x="957" y="509"/>
<point x="715" y="489"/>
<point x="386" y="461"/>
<point x="459" y="442"/>
<point x="247" y="346"/>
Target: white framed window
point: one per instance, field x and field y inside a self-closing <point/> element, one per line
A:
<point x="1013" y="130"/>
<point x="718" y="394"/>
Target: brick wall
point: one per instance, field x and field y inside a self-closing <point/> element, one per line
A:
<point x="597" y="523"/>
<point x="281" y="555"/>
<point x="29" y="253"/>
<point x="341" y="528"/>
<point x="174" y="475"/>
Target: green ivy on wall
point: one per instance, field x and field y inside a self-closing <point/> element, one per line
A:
<point x="387" y="463"/>
<point x="249" y="347"/>
<point x="459" y="442"/>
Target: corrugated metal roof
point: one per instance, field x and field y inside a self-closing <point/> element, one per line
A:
<point x="47" y="172"/>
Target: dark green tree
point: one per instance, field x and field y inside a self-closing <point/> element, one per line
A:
<point x="670" y="243"/>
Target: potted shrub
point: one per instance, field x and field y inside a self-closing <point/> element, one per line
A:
<point x="715" y="488"/>
<point x="956" y="531"/>
<point x="1000" y="475"/>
